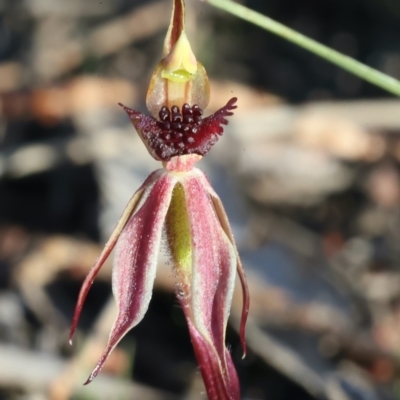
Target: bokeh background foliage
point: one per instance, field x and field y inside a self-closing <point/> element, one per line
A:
<point x="308" y="170"/>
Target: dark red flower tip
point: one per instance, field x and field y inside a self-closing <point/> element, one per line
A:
<point x="177" y="132"/>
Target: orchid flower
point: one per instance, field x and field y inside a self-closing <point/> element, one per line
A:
<point x="177" y="209"/>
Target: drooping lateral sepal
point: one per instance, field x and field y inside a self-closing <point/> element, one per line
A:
<point x="135" y="262"/>
<point x="109" y="246"/>
<point x="205" y="281"/>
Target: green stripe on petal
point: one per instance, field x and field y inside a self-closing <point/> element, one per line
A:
<point x="178" y="232"/>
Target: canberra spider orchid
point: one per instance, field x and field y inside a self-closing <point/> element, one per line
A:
<point x="177" y="206"/>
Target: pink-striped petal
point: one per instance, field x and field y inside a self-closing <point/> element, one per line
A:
<point x="135" y="262"/>
<point x="109" y="246"/>
<point x="205" y="291"/>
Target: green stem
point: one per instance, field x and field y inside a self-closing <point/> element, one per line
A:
<point x="371" y="75"/>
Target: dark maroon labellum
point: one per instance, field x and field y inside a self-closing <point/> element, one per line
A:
<point x="181" y="132"/>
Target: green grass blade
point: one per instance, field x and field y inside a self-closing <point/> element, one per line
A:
<point x="369" y="74"/>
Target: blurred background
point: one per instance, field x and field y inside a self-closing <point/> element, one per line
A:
<point x="308" y="169"/>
